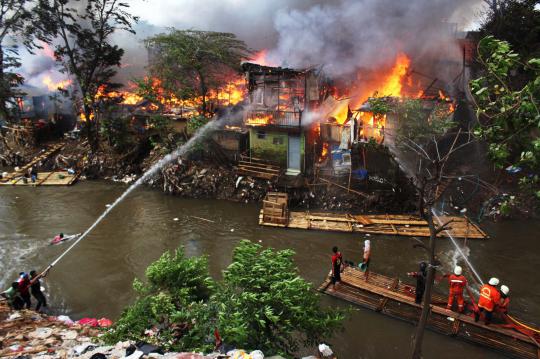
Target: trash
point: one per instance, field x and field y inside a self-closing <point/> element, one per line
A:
<point x="41" y="333"/>
<point x="239" y="180"/>
<point x="65" y="319"/>
<point x="16" y="348"/>
<point x="14" y="316"/>
<point x="325" y="350"/>
<point x="513" y="169"/>
<point x="108" y="205"/>
<point x="238" y="354"/>
<point x="136" y="355"/>
<point x="176" y="219"/>
<point x="83" y="348"/>
<point x="256" y="354"/>
<point x="232" y="229"/>
<point x="104" y="322"/>
<point x="463" y="210"/>
<point x="92" y="322"/>
<point x="69" y="335"/>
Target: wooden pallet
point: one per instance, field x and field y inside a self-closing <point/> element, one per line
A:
<point x="392" y="297"/>
<point x="398" y="225"/>
<point x="258" y="169"/>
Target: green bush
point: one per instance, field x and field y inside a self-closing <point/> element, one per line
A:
<point x="261" y="303"/>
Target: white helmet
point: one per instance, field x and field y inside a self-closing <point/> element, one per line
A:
<point x="494" y="281"/>
<point x="458" y="270"/>
<point x="505" y="289"/>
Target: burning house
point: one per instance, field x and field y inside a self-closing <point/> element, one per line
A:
<point x="276" y="117"/>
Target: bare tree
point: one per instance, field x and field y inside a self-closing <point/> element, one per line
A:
<point x="434" y="162"/>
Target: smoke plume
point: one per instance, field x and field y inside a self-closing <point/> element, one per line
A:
<point x="349" y="34"/>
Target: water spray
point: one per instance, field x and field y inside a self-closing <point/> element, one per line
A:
<point x="458" y="248"/>
<point x="149" y="173"/>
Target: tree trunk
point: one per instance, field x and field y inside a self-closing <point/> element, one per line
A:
<point x="426" y="300"/>
<point x="4" y="90"/>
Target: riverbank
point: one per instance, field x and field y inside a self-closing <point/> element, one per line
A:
<point x="26" y="333"/>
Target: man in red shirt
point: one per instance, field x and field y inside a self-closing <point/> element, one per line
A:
<point x="457" y="283"/>
<point x="337" y="264"/>
<point x="24" y="289"/>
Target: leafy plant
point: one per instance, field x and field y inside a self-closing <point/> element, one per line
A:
<point x="264" y="304"/>
<point x="261" y="303"/>
<point x="421" y="125"/>
<point x="509" y="116"/>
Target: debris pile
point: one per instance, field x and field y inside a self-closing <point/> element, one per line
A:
<point x="197" y="180"/>
<point x="28" y="334"/>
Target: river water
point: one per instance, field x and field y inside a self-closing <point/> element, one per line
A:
<point x="95" y="278"/>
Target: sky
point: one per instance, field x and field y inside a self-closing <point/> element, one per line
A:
<point x="274" y="25"/>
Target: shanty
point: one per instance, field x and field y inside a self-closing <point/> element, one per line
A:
<point x="269" y="179"/>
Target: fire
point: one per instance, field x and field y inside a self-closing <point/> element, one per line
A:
<point x="324" y="151"/>
<point x="55" y="86"/>
<point x="388" y="83"/>
<point x="230" y="94"/>
<point x="261" y="58"/>
<point x="258" y="119"/>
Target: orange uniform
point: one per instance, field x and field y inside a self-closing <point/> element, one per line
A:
<point x="457" y="285"/>
<point x="489" y="297"/>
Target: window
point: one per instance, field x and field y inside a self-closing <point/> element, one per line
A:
<point x="261" y="135"/>
<point x="277" y="141"/>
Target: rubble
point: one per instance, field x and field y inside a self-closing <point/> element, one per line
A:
<point x="28" y="334"/>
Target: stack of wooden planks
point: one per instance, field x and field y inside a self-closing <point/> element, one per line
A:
<point x="394" y="298"/>
<point x="395" y="224"/>
<point x="275" y="208"/>
<point x="258" y="169"/>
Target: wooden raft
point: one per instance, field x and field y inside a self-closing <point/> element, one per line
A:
<point x="55" y="178"/>
<point x="41" y="157"/>
<point x="398" y="225"/>
<point x="392" y="297"/>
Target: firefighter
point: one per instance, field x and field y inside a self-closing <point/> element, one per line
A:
<point x="505" y="300"/>
<point x="489" y="298"/>
<point x="457" y="283"/>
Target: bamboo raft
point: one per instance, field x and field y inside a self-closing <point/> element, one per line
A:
<point x="41" y="157"/>
<point x="54" y="178"/>
<point x="392" y="297"/>
<point x="398" y="225"/>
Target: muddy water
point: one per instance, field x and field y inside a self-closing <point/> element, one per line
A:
<point x="95" y="279"/>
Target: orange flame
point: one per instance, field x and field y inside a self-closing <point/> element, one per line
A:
<point x="258" y="119"/>
<point x="54" y="86"/>
<point x="261" y="58"/>
<point x="324" y="151"/>
<point x="388" y="83"/>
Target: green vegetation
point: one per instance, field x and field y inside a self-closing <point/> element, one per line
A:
<point x="417" y="123"/>
<point x="508" y="110"/>
<point x="261" y="303"/>
<point x="190" y="63"/>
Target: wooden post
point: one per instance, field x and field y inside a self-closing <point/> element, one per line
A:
<point x="350" y="175"/>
